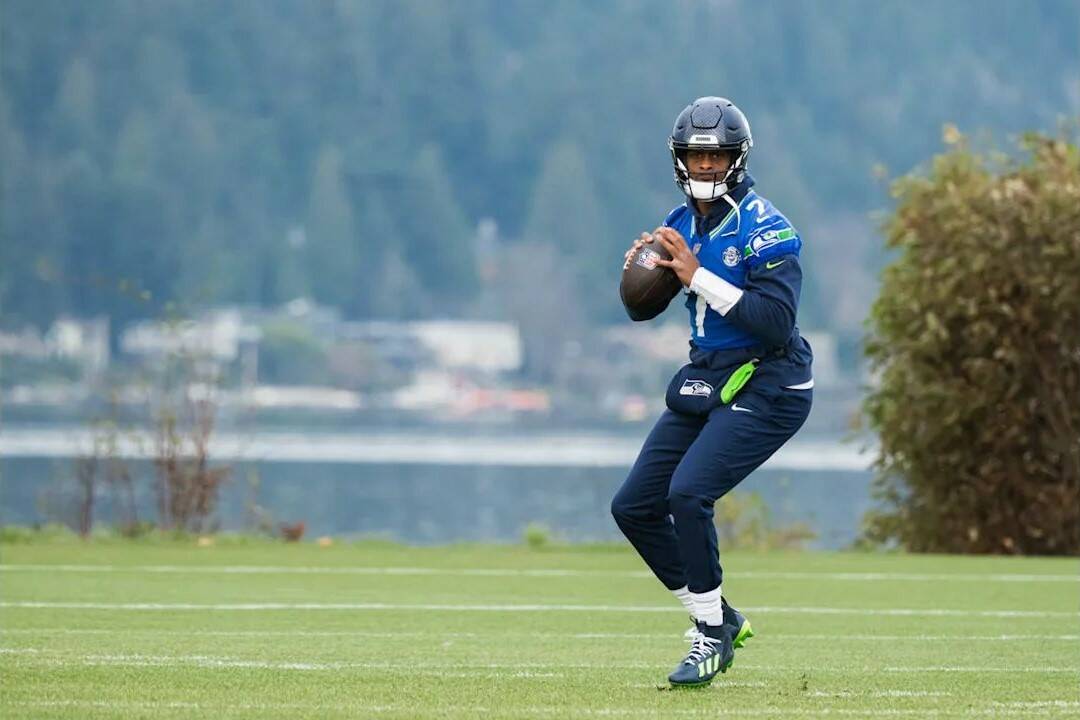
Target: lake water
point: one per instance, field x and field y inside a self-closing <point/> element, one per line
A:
<point x="434" y="487"/>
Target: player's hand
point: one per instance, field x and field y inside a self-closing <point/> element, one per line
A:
<point x="683" y="262"/>
<point x="642" y="239"/>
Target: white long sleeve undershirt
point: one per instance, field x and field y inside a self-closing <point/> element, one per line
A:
<point x="718" y="292"/>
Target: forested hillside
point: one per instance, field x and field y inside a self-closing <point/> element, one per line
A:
<point x="202" y="152"/>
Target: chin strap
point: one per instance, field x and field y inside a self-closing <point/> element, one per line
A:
<point x="730" y="200"/>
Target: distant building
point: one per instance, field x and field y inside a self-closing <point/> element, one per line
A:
<point x="84" y="342"/>
<point x="217" y="335"/>
<point x="666" y="343"/>
<point x="489" y="347"/>
<point x="464" y="344"/>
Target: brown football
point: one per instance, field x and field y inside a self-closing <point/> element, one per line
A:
<point x="646" y="288"/>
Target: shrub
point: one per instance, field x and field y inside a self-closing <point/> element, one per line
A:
<point x="975" y="343"/>
<point x="537" y="536"/>
<point x="743" y="522"/>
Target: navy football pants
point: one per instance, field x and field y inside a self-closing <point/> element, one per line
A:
<point x="665" y="506"/>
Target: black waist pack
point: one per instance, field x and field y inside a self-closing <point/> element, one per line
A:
<point x="697" y="390"/>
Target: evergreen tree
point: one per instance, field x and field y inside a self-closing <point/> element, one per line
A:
<point x="75" y="114"/>
<point x="436" y="236"/>
<point x="333" y="248"/>
<point x="565" y="214"/>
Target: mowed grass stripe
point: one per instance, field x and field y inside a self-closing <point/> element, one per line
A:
<point x="425" y="650"/>
<point x="527" y="608"/>
<point x="35" y="655"/>
<point x="1013" y="710"/>
<point x="404" y="634"/>
<point x="535" y="572"/>
<point x="392" y="621"/>
<point x="446" y="590"/>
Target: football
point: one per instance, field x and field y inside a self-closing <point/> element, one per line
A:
<point x="646" y="288"/>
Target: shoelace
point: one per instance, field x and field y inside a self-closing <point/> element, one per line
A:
<point x="702" y="648"/>
<point x="692" y="631"/>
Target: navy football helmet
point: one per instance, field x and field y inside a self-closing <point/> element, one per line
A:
<point x="710" y="123"/>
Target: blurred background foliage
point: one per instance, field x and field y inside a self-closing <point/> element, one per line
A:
<point x="976" y="344"/>
<point x="201" y="153"/>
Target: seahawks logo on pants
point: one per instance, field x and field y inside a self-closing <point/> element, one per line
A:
<point x="697" y="388"/>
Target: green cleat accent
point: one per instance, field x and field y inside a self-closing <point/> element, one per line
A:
<point x="738" y="624"/>
<point x="744" y="634"/>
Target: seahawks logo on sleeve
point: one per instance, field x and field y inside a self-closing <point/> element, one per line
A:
<point x="770" y="240"/>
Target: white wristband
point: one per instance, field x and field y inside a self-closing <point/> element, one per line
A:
<point x="718" y="292"/>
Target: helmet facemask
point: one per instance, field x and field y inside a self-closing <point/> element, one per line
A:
<point x="720" y="183"/>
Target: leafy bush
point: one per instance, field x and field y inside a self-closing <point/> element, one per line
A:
<point x="51" y="532"/>
<point x="743" y="522"/>
<point x="975" y="341"/>
<point x="537" y="536"/>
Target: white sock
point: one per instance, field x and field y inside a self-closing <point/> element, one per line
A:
<point x="708" y="607"/>
<point x="685" y="598"/>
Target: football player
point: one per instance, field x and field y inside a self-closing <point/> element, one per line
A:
<point x="747" y="388"/>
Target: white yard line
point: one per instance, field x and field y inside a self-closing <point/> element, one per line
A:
<point x="977" y="669"/>
<point x="916" y="612"/>
<point x="530" y="572"/>
<point x="1039" y="704"/>
<point x="782" y="637"/>
<point x="261" y="606"/>
<point x="879" y="693"/>
<point x="56" y="657"/>
<point x="59" y="658"/>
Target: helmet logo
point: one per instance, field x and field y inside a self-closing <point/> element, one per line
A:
<point x="704" y="140"/>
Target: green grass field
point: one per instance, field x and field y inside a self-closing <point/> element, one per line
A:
<point x="261" y="630"/>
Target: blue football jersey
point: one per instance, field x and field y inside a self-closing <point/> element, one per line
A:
<point x="751" y="235"/>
